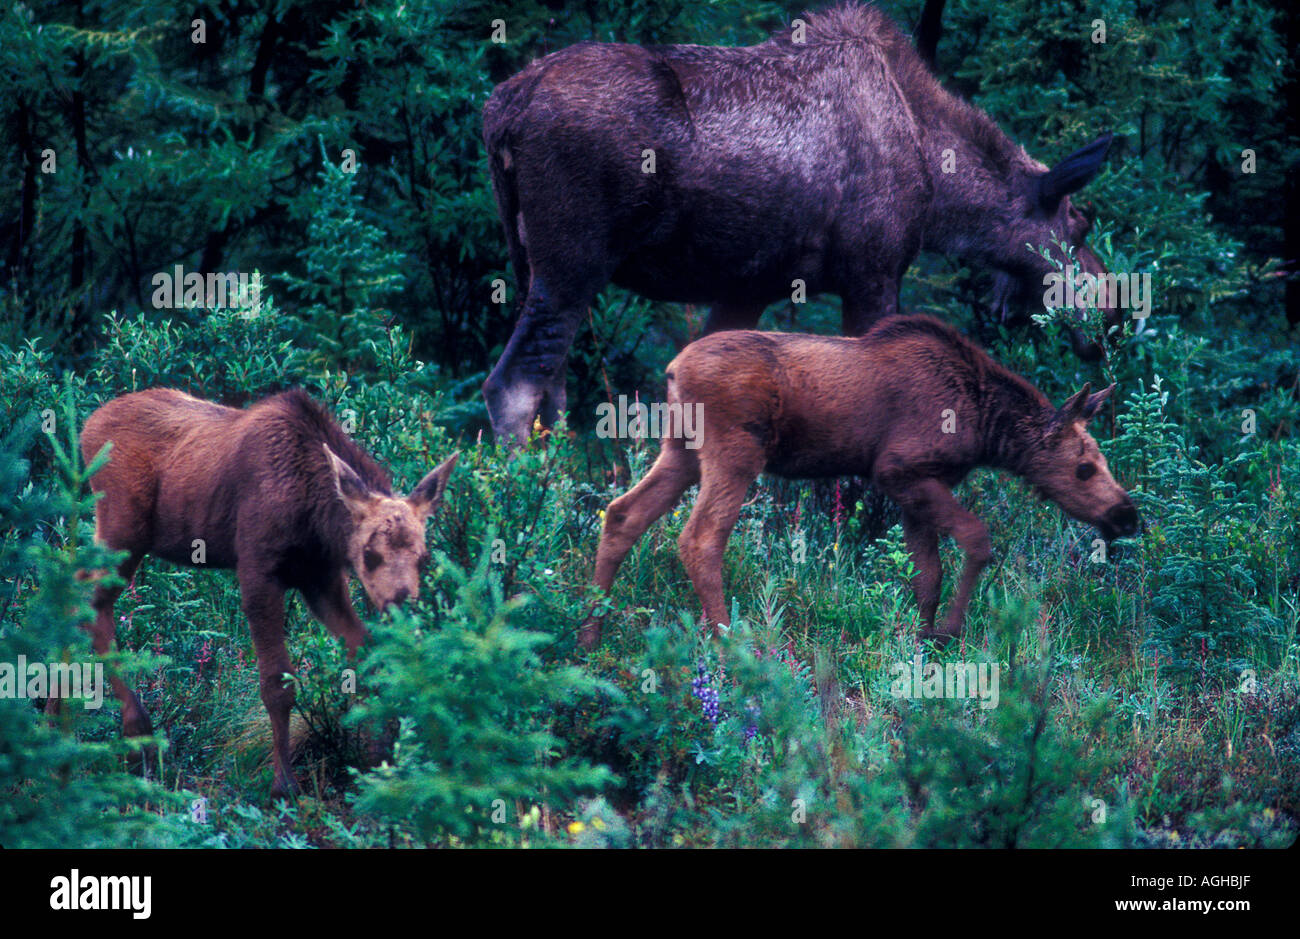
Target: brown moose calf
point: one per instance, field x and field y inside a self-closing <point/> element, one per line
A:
<point x="912" y="405"/>
<point x="277" y="492"/>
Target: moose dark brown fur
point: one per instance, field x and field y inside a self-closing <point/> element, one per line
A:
<point x="832" y="161"/>
<point x="913" y="405"/>
<point x="279" y="493"/>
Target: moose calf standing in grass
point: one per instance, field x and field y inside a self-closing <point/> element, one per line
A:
<point x="913" y="405"/>
<point x="277" y="492"/>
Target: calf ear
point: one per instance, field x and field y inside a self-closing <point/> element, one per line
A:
<point x="1071" y="411"/>
<point x="351" y="488"/>
<point x="427" y="495"/>
<point x="1096" y="401"/>
<point x="1072" y="173"/>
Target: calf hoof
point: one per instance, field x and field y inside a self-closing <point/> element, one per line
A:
<point x="940" y="638"/>
<point x="143" y="761"/>
<point x="138" y="725"/>
<point x="285" y="788"/>
<point x="589" y="634"/>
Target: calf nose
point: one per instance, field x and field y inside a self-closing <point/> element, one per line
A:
<point x="1123" y="517"/>
<point x="401" y="596"/>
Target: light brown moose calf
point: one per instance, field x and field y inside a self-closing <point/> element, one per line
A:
<point x="279" y="493"/>
<point x="912" y="405"/>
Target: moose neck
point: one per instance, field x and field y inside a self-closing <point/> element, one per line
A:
<point x="969" y="203"/>
<point x="1011" y="421"/>
<point x="973" y="166"/>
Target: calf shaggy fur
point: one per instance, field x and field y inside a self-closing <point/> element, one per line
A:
<point x="279" y="493"/>
<point x="913" y="406"/>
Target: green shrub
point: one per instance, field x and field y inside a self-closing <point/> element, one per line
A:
<point x="473" y="700"/>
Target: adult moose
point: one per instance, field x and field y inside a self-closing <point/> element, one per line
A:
<point x="279" y="493"/>
<point x="913" y="405"/>
<point x="830" y="157"/>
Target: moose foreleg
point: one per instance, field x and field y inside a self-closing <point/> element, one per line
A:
<point x="923" y="544"/>
<point x="973" y="537"/>
<point x="932" y="503"/>
<point x="333" y="607"/>
<point x="263" y="603"/>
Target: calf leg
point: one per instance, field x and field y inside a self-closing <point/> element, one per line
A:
<point x="333" y="607"/>
<point x="263" y="603"/>
<point x="923" y="544"/>
<point x="703" y="540"/>
<point x="103" y="636"/>
<point x="933" y="504"/>
<point x="135" y="719"/>
<point x="632" y="513"/>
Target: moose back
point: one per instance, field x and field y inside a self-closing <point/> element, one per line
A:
<point x="730" y="176"/>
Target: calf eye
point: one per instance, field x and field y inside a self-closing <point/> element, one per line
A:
<point x="1085" y="471"/>
<point x="372" y="559"/>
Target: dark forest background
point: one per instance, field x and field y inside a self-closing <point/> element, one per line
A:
<point x="211" y="155"/>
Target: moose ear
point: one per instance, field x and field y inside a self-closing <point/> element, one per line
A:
<point x="351" y="489"/>
<point x="1096" y="401"/>
<point x="1072" y="173"/>
<point x="427" y="495"/>
<point x="1070" y="411"/>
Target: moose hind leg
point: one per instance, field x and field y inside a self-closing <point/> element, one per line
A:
<point x="628" y="517"/>
<point x="529" y="378"/>
<point x="103" y="636"/>
<point x="263" y="603"/>
<point x="135" y="719"/>
<point x="731" y="316"/>
<point x="519" y="381"/>
<point x="703" y="540"/>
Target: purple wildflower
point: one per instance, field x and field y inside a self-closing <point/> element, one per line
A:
<point x="703" y="689"/>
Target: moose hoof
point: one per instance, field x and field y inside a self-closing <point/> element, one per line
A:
<point x="139" y="726"/>
<point x="143" y="761"/>
<point x="940" y="638"/>
<point x="589" y="635"/>
<point x="285" y="789"/>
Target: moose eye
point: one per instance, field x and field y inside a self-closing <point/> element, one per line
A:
<point x="1085" y="471"/>
<point x="372" y="559"/>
